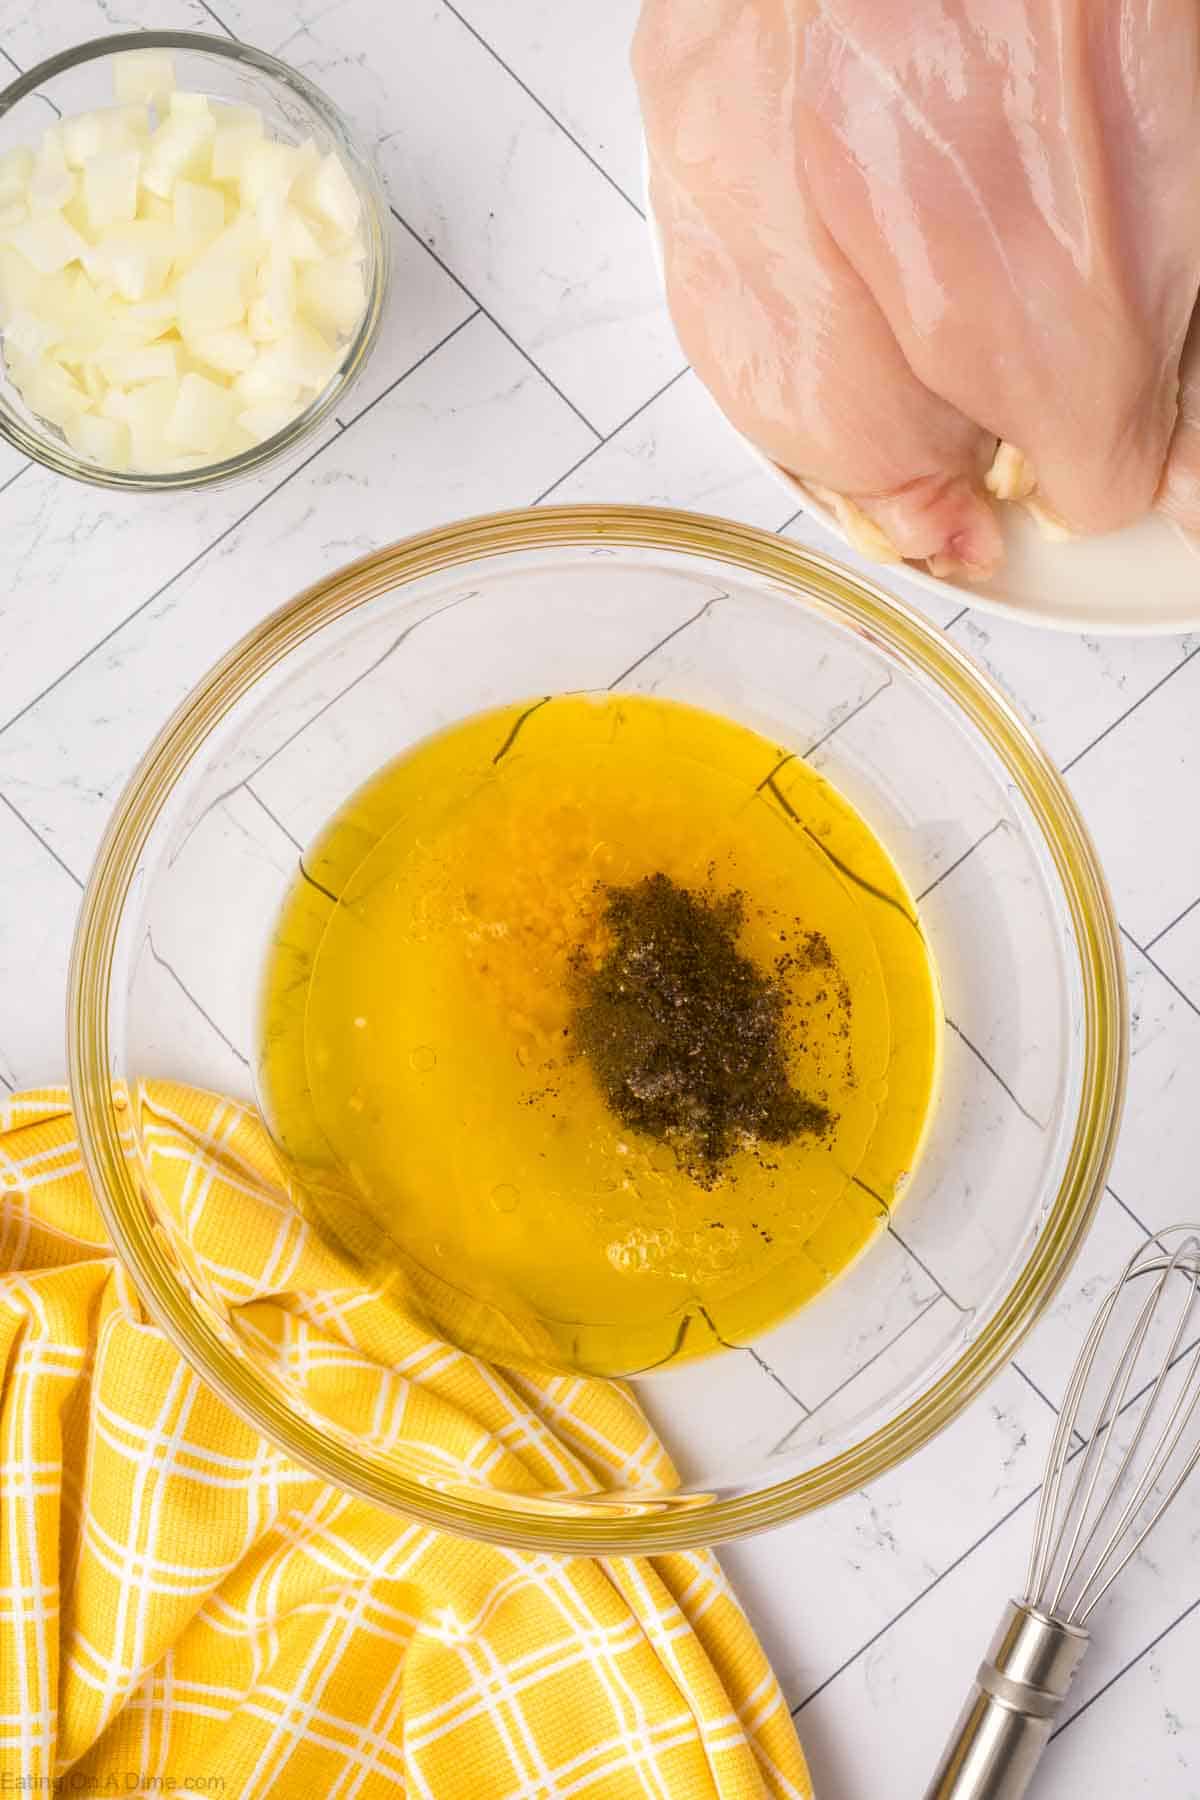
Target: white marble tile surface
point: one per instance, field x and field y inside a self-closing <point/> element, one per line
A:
<point x="1155" y="1167"/>
<point x="80" y="541"/>
<point x="677" y="452"/>
<point x="1072" y="696"/>
<point x="38" y="902"/>
<point x="32" y="31"/>
<point x="1137" y="787"/>
<point x="1046" y="1355"/>
<point x="490" y="182"/>
<point x="1177" y="953"/>
<point x="576" y="60"/>
<point x="472" y="428"/>
<point x="1155" y="1751"/>
<point x="12" y="464"/>
<point x="855" y="1569"/>
<point x="528" y="355"/>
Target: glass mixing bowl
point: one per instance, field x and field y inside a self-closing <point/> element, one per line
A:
<point x="183" y="898"/>
<point x="80" y="79"/>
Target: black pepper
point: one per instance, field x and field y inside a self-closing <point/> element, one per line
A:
<point x="686" y="1037"/>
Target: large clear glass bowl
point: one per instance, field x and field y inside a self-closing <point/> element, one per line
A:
<point x="205" y="842"/>
<point x="81" y="79"/>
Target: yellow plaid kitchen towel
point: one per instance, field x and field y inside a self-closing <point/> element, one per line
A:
<point x="184" y="1610"/>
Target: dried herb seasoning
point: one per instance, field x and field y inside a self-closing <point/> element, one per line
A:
<point x="686" y="1036"/>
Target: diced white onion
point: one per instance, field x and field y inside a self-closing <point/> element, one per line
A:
<point x="145" y="76"/>
<point x="47" y="241"/>
<point x="175" y="284"/>
<point x="110" y="188"/>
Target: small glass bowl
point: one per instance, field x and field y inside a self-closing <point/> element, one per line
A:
<point x="79" y="80"/>
<point x="207" y="840"/>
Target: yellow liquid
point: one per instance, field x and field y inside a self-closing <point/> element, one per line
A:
<point x="417" y="1067"/>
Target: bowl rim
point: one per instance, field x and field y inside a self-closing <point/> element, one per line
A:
<point x="102" y="1120"/>
<point x="59" y="457"/>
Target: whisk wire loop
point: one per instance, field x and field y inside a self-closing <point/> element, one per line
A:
<point x="1163" y="1456"/>
<point x="1076" y="1539"/>
<point x="1107" y="1486"/>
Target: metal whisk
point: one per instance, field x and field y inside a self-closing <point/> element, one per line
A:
<point x="1104" y="1491"/>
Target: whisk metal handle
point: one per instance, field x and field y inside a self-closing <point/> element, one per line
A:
<point x="1008" y="1718"/>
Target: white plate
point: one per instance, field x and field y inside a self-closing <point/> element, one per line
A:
<point x="1142" y="581"/>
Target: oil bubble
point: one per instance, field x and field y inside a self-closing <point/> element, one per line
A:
<point x="505" y="1197"/>
<point x="422" y="1058"/>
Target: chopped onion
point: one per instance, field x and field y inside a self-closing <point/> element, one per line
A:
<point x="147" y="76"/>
<point x="176" y="285"/>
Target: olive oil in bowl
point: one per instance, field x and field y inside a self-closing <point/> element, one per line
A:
<point x="599" y="1032"/>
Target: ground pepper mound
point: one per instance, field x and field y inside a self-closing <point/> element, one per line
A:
<point x="686" y="1036"/>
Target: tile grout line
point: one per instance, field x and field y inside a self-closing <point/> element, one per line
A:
<point x="655" y="648"/>
<point x="163" y="964"/>
<point x="1030" y="1382"/>
<point x="1128" y="1210"/>
<point x="34" y="833"/>
<point x="1177" y="920"/>
<point x="1159" y="970"/>
<point x="608" y="438"/>
<point x="370" y="669"/>
<point x="159" y="591"/>
<point x="882" y="1350"/>
<point x="218" y="20"/>
<point x="492" y="319"/>
<point x="924" y="1267"/>
<point x="37" y="95"/>
<point x="780" y="1383"/>
<point x="916" y="1600"/>
<point x="480" y="310"/>
<point x="963" y="1557"/>
<point x="247" y="783"/>
<point x="411" y="370"/>
<point x="541" y="105"/>
<point x="1125" y="1668"/>
<point x="1180" y="1356"/>
<point x="978" y="1054"/>
<point x="5" y="485"/>
<point x="960" y="860"/>
<point x="221" y="536"/>
<point x="833" y="729"/>
<point x="259" y="801"/>
<point x="1140" y="701"/>
<point x="949" y="1570"/>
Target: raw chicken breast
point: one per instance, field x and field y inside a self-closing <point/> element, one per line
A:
<point x="771" y="314"/>
<point x="894" y="234"/>
<point x="1179" y="497"/>
<point x="1018" y="181"/>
